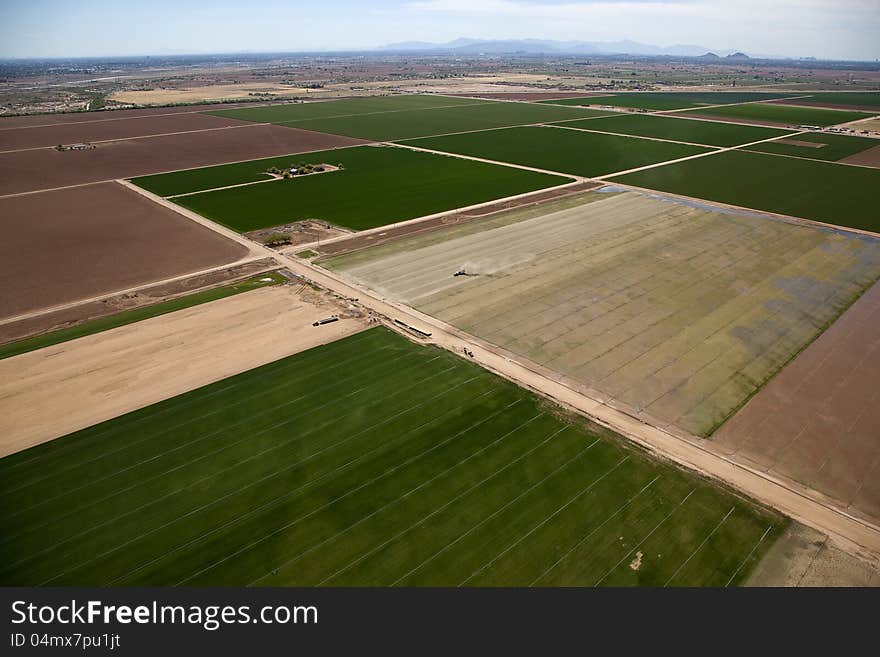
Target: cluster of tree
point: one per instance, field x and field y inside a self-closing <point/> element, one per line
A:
<point x="297" y="170"/>
<point x="277" y="239"/>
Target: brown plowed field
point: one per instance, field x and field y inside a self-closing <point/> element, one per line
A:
<point x="47" y="168"/>
<point x="70" y="133"/>
<point x="868" y="158"/>
<point x="818" y="421"/>
<point x="147" y="296"/>
<point x="14" y="122"/>
<point x="72" y="244"/>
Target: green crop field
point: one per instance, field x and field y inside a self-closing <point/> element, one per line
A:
<point x="406" y="123"/>
<point x="377" y="186"/>
<point x="836" y="147"/>
<point x="696" y="132"/>
<point x="821" y="191"/>
<point x="787" y="114"/>
<point x="865" y="99"/>
<point x="557" y="149"/>
<point x="338" y="108"/>
<point x="138" y="314"/>
<point x="669" y="100"/>
<point x="368" y="461"/>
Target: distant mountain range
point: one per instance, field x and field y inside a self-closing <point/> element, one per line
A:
<point x="546" y="47"/>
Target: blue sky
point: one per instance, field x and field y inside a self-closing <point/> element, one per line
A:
<point x="846" y="29"/>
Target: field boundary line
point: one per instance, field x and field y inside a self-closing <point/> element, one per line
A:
<point x="57" y="189"/>
<point x="518" y="541"/>
<point x="699" y="547"/>
<point x="488" y="161"/>
<point x="217" y="189"/>
<point x="699" y="155"/>
<point x="813" y="159"/>
<point x="507" y="504"/>
<point x="349" y="492"/>
<point x="745" y="102"/>
<point x="623" y="134"/>
<point x="646" y="537"/>
<point x="405" y="495"/>
<point x="730" y="121"/>
<point x="536" y="124"/>
<point x="635" y="110"/>
<point x="161" y="134"/>
<point x="748" y="556"/>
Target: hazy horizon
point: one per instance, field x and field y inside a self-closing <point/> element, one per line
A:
<point x="843" y="29"/>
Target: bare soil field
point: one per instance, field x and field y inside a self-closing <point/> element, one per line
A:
<point x="53" y="391"/>
<point x="63" y="118"/>
<point x="818" y="421"/>
<point x="71" y="244"/>
<point x="373" y="238"/>
<point x="675" y="311"/>
<point x="70" y="133"/>
<point x="805" y="557"/>
<point x="208" y="92"/>
<point x="868" y="158"/>
<point x="116" y="303"/>
<point x="26" y="171"/>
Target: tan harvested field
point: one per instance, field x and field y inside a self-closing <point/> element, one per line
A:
<point x="677" y="312"/>
<point x="47" y="168"/>
<point x="53" y="391"/>
<point x="204" y="93"/>
<point x="71" y="244"/>
<point x="70" y="133"/>
<point x="868" y="158"/>
<point x="818" y="421"/>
